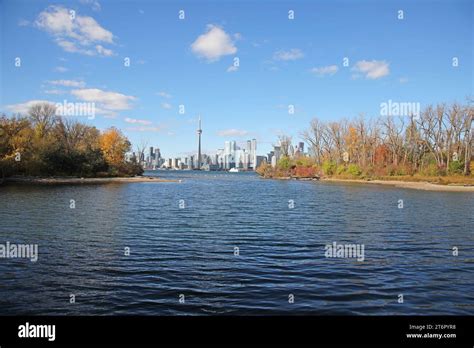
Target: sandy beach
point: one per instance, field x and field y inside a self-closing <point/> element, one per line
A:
<point x="426" y="186"/>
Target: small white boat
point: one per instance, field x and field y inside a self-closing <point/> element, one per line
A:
<point x="234" y="170"/>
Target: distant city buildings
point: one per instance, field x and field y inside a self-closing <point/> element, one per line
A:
<point x="152" y="160"/>
<point x="243" y="157"/>
<point x="199" y="158"/>
<point x="233" y="156"/>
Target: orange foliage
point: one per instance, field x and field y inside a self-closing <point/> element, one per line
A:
<point x="114" y="145"/>
<point x="381" y="154"/>
<point x="305" y="172"/>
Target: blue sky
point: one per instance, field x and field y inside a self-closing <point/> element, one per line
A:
<point x="189" y="62"/>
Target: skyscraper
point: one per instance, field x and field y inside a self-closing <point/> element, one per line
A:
<point x="199" y="132"/>
<point x="253" y="154"/>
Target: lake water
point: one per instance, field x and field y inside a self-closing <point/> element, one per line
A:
<point x="183" y="239"/>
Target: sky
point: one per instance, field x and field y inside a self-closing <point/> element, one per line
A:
<point x="330" y="60"/>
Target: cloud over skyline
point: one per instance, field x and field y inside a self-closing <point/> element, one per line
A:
<point x="213" y="44"/>
<point x="292" y="54"/>
<point x="111" y="101"/>
<point x="75" y="33"/>
<point x="372" y="70"/>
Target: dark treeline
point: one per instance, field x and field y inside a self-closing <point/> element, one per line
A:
<point x="437" y="142"/>
<point x="42" y="144"/>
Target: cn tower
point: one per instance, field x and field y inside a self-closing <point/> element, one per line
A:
<point x="199" y="132"/>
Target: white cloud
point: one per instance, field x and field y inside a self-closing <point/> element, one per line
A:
<point x="134" y="120"/>
<point x="68" y="83"/>
<point x="101" y="50"/>
<point x="106" y="100"/>
<point x="232" y="133"/>
<point x="372" y="70"/>
<point x="403" y="79"/>
<point x="23" y="108"/>
<point x="74" y="34"/>
<point x="91" y="31"/>
<point x="71" y="47"/>
<point x="325" y="70"/>
<point x="60" y="69"/>
<point x="213" y="44"/>
<point x="166" y="106"/>
<point x="106" y="113"/>
<point x="164" y="95"/>
<point x="292" y="54"/>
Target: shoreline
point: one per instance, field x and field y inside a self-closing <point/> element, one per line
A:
<point x="414" y="185"/>
<point x="75" y="180"/>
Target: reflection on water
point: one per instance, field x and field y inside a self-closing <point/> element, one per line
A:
<point x="192" y="251"/>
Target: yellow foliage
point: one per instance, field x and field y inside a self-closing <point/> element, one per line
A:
<point x="114" y="145"/>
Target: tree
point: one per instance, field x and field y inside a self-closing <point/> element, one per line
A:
<point x="114" y="146"/>
<point x="285" y="142"/>
<point x="315" y="137"/>
<point x="43" y="116"/>
<point x="468" y="140"/>
<point x="45" y="144"/>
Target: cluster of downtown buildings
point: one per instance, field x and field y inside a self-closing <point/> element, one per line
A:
<point x="232" y="156"/>
<point x="244" y="158"/>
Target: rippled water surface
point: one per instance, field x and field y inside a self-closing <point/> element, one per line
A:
<point x="190" y="251"/>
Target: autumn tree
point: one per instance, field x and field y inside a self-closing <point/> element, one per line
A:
<point x="314" y="136"/>
<point x="42" y="143"/>
<point x="437" y="141"/>
<point x="114" y="146"/>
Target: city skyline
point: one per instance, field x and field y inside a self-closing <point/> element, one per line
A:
<point x="228" y="157"/>
<point x="246" y="82"/>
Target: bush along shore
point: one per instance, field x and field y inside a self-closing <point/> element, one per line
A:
<point x="433" y="150"/>
<point x="347" y="173"/>
<point x="41" y="145"/>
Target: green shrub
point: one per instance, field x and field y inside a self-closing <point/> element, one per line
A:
<point x="284" y="163"/>
<point x="456" y="167"/>
<point x="354" y="170"/>
<point x="329" y="167"/>
<point x="305" y="161"/>
<point x="430" y="170"/>
<point x="340" y="170"/>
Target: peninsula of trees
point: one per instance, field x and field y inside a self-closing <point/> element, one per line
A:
<point x="437" y="143"/>
<point x="44" y="144"/>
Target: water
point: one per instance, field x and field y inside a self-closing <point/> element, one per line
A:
<point x="190" y="251"/>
